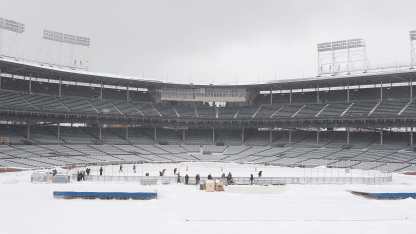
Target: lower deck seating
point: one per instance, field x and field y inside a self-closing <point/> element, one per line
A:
<point x="33" y="156"/>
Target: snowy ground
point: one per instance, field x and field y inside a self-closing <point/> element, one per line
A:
<point x="31" y="208"/>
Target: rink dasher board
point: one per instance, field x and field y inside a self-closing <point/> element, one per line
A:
<point x="106" y="195"/>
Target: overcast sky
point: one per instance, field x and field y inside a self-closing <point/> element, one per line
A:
<point x="211" y="40"/>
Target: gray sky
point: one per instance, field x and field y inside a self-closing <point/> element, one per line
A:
<point x="220" y="40"/>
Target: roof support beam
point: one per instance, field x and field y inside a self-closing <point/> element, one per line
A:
<point x="348" y="94"/>
<point x="60" y="86"/>
<point x="317" y="95"/>
<point x="381" y="91"/>
<point x="30" y="84"/>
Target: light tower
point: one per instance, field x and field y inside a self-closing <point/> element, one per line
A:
<point x="412" y="36"/>
<point x="64" y="50"/>
<point x="345" y="56"/>
<point x="9" y="30"/>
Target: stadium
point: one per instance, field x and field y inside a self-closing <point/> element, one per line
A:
<point x="55" y="117"/>
<point x="314" y="140"/>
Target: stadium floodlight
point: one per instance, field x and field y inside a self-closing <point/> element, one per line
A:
<point x="12" y="25"/>
<point x="337" y="56"/>
<point x="325" y="47"/>
<point x="66" y="38"/>
<point x="64" y="50"/>
<point x="8" y="41"/>
<point x="412" y="35"/>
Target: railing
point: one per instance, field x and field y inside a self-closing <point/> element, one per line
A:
<point x="246" y="180"/>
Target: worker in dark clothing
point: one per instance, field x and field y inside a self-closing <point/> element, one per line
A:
<point x="174" y="171"/>
<point x="78" y="177"/>
<point x="223" y="175"/>
<point x="209" y="176"/>
<point x="229" y="178"/>
<point x="251" y="179"/>
<point x="163" y="172"/>
<point x="197" y="178"/>
<point x="160" y="173"/>
<point x="83" y="175"/>
<point x="101" y="171"/>
<point x="134" y="168"/>
<point x="54" y="172"/>
<point x="260" y="173"/>
<point x="179" y="177"/>
<point x="186" y="179"/>
<point x="88" y="171"/>
<point x="147" y="174"/>
<point x="121" y="168"/>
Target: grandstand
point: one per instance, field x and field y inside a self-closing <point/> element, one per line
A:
<point x="53" y="117"/>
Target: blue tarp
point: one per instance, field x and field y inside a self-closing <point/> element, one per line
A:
<point x="105" y="194"/>
<point x="393" y="194"/>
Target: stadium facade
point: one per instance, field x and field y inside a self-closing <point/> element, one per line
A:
<point x="52" y="117"/>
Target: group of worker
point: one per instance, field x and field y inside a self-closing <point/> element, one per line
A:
<point x="252" y="178"/>
<point x="81" y="175"/>
<point x="121" y="168"/>
<point x="198" y="178"/>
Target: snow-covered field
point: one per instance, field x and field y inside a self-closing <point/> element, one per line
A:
<point x="31" y="208"/>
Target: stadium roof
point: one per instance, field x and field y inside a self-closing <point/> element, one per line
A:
<point x="47" y="72"/>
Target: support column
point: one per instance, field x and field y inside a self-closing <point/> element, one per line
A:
<point x="411" y="90"/>
<point x="155" y="134"/>
<point x="101" y="92"/>
<point x="381" y="136"/>
<point x="60" y="87"/>
<point x="59" y="130"/>
<point x="100" y="132"/>
<point x="28" y="131"/>
<point x="317" y="135"/>
<point x="348" y="94"/>
<point x="381" y="91"/>
<point x="213" y="135"/>
<point x="290" y="96"/>
<point x="317" y="96"/>
<point x="271" y="97"/>
<point x="242" y="135"/>
<point x="183" y="135"/>
<point x="411" y="136"/>
<point x="128" y="87"/>
<point x="127" y="132"/>
<point x="30" y="84"/>
<point x="290" y="135"/>
<point x="348" y="135"/>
